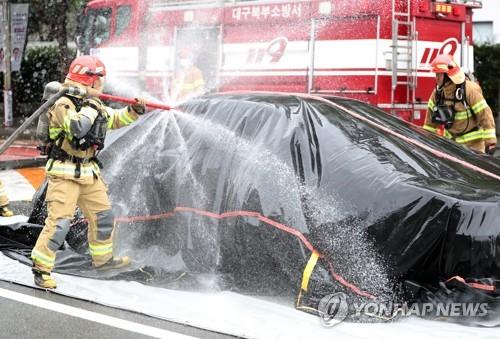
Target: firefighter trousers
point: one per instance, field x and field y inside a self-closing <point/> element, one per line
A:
<point x="3" y="196"/>
<point x="63" y="195"/>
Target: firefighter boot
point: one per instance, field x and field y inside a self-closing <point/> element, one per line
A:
<point x="114" y="262"/>
<point x="5" y="211"/>
<point x="44" y="280"/>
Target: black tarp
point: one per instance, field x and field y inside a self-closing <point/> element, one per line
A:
<point x="244" y="186"/>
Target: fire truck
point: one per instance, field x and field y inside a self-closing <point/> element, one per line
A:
<point x="375" y="51"/>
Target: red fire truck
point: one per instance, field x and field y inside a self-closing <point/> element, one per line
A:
<point x="375" y="51"/>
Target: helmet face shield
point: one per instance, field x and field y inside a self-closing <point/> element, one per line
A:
<point x="99" y="74"/>
<point x="98" y="84"/>
<point x="440" y="68"/>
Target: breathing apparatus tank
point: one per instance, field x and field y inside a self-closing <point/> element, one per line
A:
<point x="42" y="129"/>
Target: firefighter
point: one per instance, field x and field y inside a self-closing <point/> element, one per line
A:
<point x="188" y="81"/>
<point x="457" y="109"/>
<point x="4" y="203"/>
<point x="77" y="127"/>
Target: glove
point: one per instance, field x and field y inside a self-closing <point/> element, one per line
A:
<point x="140" y="106"/>
<point x="490" y="149"/>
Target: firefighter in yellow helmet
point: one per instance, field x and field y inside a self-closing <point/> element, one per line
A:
<point x="457" y="109"/>
<point x="4" y="203"/>
<point x="77" y="128"/>
<point x="188" y="81"/>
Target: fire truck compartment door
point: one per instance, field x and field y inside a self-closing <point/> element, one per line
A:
<point x="432" y="42"/>
<point x="204" y="43"/>
<point x="346" y="48"/>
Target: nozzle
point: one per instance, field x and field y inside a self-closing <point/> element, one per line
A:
<point x="53" y="87"/>
<point x="77" y="91"/>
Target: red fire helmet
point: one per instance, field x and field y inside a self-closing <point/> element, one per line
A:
<point x="444" y="63"/>
<point x="86" y="69"/>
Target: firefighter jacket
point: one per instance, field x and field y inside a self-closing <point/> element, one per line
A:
<point x="187" y="83"/>
<point x="473" y="124"/>
<point x="66" y="123"/>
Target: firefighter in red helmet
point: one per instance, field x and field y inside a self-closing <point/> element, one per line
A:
<point x="457" y="109"/>
<point x="188" y="80"/>
<point x="77" y="128"/>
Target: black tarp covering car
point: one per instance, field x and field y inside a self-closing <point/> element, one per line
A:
<point x="293" y="194"/>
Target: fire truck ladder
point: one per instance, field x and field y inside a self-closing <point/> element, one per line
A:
<point x="403" y="69"/>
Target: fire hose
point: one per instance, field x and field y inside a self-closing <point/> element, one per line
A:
<point x="132" y="101"/>
<point x="54" y="90"/>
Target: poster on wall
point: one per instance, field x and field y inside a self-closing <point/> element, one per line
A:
<point x="18" y="28"/>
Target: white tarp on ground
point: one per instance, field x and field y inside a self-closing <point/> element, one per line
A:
<point x="233" y="313"/>
<point x="13" y="220"/>
<point x="17" y="187"/>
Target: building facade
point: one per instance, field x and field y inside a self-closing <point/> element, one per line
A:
<point x="486" y="22"/>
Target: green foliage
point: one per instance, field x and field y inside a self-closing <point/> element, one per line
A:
<point x="40" y="65"/>
<point x="38" y="68"/>
<point x="487" y="66"/>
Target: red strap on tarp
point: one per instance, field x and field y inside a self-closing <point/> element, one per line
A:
<point x="479" y="286"/>
<point x="257" y="215"/>
<point x="347" y="284"/>
<point x="232" y="214"/>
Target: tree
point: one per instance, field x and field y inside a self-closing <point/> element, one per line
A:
<point x="487" y="64"/>
<point x="55" y="20"/>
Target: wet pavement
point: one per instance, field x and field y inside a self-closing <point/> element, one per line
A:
<point x="30" y="313"/>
